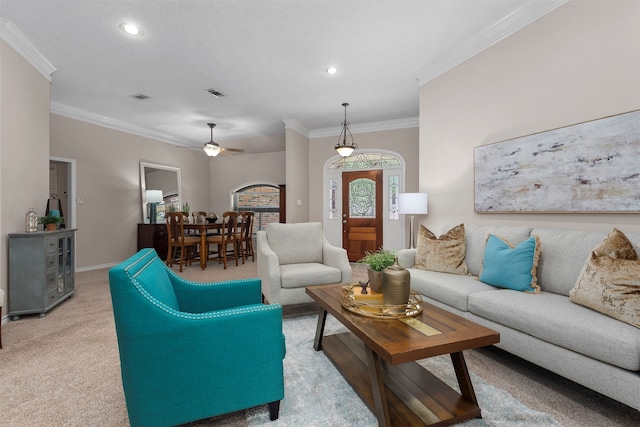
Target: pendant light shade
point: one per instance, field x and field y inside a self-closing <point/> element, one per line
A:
<point x="343" y="148"/>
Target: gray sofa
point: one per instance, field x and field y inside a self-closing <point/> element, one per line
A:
<point x="547" y="329"/>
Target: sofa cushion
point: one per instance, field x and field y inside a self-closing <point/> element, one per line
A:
<point x="444" y="253"/>
<point x="610" y="280"/>
<point x="562" y="257"/>
<point x="450" y="289"/>
<point x="476" y="238"/>
<point x="555" y="319"/>
<point x="296" y="243"/>
<point x="511" y="267"/>
<point x="306" y="274"/>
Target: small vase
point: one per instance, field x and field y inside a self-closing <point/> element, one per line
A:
<point x="51" y="227"/>
<point x="375" y="280"/>
<point x="396" y="286"/>
<point x="31" y="221"/>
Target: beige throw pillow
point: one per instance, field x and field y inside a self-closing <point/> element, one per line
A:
<point x="610" y="280"/>
<point x="444" y="253"/>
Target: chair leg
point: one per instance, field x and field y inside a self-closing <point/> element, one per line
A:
<point x="224" y="255"/>
<point x="235" y="252"/>
<point x="249" y="244"/>
<point x="274" y="410"/>
<point x="242" y="252"/>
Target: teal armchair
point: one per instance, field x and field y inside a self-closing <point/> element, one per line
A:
<point x="190" y="351"/>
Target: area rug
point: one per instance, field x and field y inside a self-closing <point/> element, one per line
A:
<point x="316" y="394"/>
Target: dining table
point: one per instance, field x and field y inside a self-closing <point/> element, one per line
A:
<point x="203" y="228"/>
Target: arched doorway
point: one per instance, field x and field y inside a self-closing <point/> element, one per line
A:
<point x="392" y="167"/>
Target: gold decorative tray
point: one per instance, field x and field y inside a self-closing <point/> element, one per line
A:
<point x="381" y="311"/>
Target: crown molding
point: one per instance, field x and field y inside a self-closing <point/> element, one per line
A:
<point x="297" y="126"/>
<point x="96" y="119"/>
<point x="491" y="35"/>
<point x="21" y="44"/>
<point x="411" y="122"/>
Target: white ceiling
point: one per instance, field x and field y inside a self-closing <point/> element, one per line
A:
<point x="267" y="57"/>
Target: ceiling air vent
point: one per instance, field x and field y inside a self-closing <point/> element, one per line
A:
<point x="215" y="93"/>
<point x="139" y="96"/>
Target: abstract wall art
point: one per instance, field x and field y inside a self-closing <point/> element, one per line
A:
<point x="591" y="167"/>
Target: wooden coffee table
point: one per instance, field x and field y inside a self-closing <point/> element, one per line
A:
<point x="377" y="357"/>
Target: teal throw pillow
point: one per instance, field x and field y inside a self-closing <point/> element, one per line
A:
<point x="504" y="266"/>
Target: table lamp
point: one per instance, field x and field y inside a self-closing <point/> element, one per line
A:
<point x="413" y="204"/>
<point x="153" y="197"/>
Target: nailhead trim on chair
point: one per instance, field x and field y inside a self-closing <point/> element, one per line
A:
<point x="193" y="316"/>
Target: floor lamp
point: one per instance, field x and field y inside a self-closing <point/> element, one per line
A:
<point x="153" y="198"/>
<point x="413" y="204"/>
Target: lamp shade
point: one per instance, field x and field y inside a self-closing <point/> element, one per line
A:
<point x="153" y="196"/>
<point x="413" y="203"/>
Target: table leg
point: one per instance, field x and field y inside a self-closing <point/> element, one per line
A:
<point x="377" y="388"/>
<point x="203" y="249"/>
<point x="322" y="319"/>
<point x="464" y="380"/>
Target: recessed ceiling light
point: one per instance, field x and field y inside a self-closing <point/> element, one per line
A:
<point x="131" y="29"/>
<point x="331" y="71"/>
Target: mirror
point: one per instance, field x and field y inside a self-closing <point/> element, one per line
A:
<point x="163" y="178"/>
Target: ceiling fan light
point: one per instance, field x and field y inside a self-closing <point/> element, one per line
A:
<point x="211" y="150"/>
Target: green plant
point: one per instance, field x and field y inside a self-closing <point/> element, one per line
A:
<point x="378" y="260"/>
<point x="50" y="219"/>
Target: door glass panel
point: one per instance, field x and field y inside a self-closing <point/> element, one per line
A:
<point x="333" y="191"/>
<point x="393" y="196"/>
<point x="362" y="198"/>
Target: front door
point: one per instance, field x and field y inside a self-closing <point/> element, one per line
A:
<point x="361" y="212"/>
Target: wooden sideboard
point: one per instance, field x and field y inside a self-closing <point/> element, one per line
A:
<point x="154" y="236"/>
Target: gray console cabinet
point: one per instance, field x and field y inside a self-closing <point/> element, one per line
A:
<point x="41" y="271"/>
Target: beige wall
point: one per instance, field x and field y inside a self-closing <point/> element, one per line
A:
<point x="24" y="140"/>
<point x="297" y="167"/>
<point x="579" y="63"/>
<point x="401" y="141"/>
<point x="108" y="180"/>
<point x="233" y="172"/>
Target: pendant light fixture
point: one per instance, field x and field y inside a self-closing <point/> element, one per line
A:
<point x="342" y="148"/>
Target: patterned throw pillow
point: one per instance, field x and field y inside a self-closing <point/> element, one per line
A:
<point x="610" y="280"/>
<point x="507" y="267"/>
<point x="444" y="253"/>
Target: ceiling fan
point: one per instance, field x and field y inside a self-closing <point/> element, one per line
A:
<point x="213" y="148"/>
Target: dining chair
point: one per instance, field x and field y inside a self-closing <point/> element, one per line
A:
<point x="227" y="236"/>
<point x="245" y="235"/>
<point x="187" y="244"/>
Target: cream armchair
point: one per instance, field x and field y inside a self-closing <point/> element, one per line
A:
<point x="294" y="256"/>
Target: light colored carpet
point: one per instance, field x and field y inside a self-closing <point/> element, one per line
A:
<point x="63" y="370"/>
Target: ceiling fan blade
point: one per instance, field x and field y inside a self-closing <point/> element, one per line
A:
<point x="234" y="150"/>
